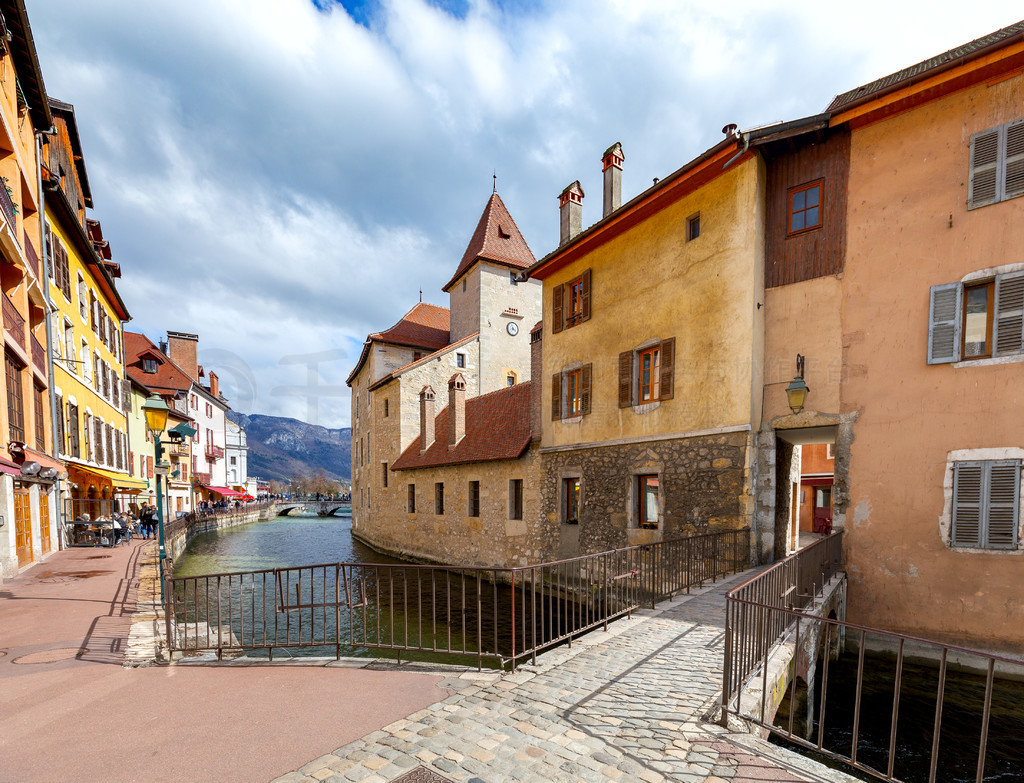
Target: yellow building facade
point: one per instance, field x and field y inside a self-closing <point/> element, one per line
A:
<point x="86" y="338"/>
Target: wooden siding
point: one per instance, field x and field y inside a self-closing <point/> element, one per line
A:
<point x="816" y="253"/>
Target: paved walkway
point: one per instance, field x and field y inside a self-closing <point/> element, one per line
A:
<point x="627" y="705"/>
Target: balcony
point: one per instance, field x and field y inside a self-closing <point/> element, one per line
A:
<point x="38" y="354"/>
<point x="13" y="322"/>
<point x="214" y="453"/>
<point x="31" y="256"/>
<point x="203" y="478"/>
<point x="178" y="449"/>
<point x="7" y="205"/>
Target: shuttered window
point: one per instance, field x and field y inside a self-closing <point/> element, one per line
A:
<point x="570" y="303"/>
<point x="996" y="165"/>
<point x="986" y="503"/>
<point x="571" y="392"/>
<point x="991" y="327"/>
<point x="647" y="375"/>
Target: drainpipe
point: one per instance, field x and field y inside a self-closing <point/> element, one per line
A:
<point x="44" y="284"/>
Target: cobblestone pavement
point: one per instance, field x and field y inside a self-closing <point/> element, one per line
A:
<point x="626" y="705"/>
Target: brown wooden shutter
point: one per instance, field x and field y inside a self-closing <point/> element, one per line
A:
<point x="585" y="379"/>
<point x="585" y="296"/>
<point x="556" y="396"/>
<point x="556" y="310"/>
<point x="667" y="359"/>
<point x="625" y="379"/>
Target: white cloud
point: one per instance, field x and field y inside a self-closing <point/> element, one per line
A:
<point x="282" y="180"/>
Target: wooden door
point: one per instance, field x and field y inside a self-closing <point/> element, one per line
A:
<point x="44" y="521"/>
<point x="23" y="526"/>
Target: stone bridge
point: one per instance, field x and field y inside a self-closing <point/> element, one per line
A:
<point x="323" y="508"/>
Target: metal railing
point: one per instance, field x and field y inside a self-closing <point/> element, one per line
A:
<point x="769" y="612"/>
<point x="7" y="204"/>
<point x="213" y="452"/>
<point x="506" y="615"/>
<point x="31" y="255"/>
<point x="14" y="323"/>
<point x="38" y="354"/>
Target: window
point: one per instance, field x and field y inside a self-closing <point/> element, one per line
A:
<point x="570" y="392"/>
<point x="512" y="278"/>
<point x="510" y="380"/>
<point x="473" y="504"/>
<point x="996" y="165"/>
<point x="647" y="501"/>
<point x="647" y="374"/>
<point x="69" y="345"/>
<point x="986" y="502"/>
<point x="805" y="207"/>
<point x="38" y="416"/>
<point x="460" y="360"/>
<point x="571" y="501"/>
<point x="149" y="366"/>
<point x="692" y="227"/>
<point x="976" y="320"/>
<point x="83" y="298"/>
<point x="515" y="499"/>
<point x="463" y="286"/>
<point x="385" y="408"/>
<point x="15" y="404"/>
<point x="571" y="303"/>
<point x="234" y="460"/>
<point x="439" y="497"/>
<point x="60" y="447"/>
<point x="411" y="500"/>
<point x="384" y="474"/>
<point x="649" y="380"/>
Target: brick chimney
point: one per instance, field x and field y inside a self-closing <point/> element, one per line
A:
<point x="214" y="384"/>
<point x="426" y="418"/>
<point x="570" y="209"/>
<point x="456" y="409"/>
<point x="612" y="162"/>
<point x="182" y="348"/>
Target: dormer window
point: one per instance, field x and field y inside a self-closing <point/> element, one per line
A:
<point x="149" y="366"/>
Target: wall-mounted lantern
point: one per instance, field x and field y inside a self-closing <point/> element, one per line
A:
<point x="797" y="390"/>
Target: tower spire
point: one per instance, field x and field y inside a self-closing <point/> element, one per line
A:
<point x="495" y="175"/>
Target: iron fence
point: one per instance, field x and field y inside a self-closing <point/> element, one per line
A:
<point x="769" y="613"/>
<point x="503" y="615"/>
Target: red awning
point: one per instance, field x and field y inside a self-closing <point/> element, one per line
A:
<point x="6" y="466"/>
<point x="225" y="491"/>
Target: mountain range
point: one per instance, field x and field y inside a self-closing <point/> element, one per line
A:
<point x="281" y="448"/>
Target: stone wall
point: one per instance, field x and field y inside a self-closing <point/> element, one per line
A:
<point x="491" y="539"/>
<point x="705" y="486"/>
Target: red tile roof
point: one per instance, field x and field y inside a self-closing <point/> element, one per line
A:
<point x="496" y="239"/>
<point x="168" y="377"/>
<point x="497" y="427"/>
<point x="425" y="326"/>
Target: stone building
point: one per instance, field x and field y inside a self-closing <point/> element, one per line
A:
<point x="483" y="339"/>
<point x="651" y="355"/>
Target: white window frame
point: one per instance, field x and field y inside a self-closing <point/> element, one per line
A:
<point x="946" y="316"/>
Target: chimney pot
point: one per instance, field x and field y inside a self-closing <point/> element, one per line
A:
<point x="612" y="163"/>
<point x="570" y="207"/>
<point x="426" y="418"/>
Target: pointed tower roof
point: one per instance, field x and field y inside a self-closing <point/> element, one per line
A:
<point x="496" y="239"/>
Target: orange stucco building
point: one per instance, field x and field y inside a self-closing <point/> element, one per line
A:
<point x="909" y="308"/>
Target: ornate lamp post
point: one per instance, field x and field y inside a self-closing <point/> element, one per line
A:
<point x="156" y="411"/>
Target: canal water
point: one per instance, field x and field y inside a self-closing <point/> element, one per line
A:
<point x="960" y="731"/>
<point x="292" y="611"/>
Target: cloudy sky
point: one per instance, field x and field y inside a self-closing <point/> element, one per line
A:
<point x="283" y="176"/>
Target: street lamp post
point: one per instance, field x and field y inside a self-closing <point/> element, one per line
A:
<point x="156" y="411"/>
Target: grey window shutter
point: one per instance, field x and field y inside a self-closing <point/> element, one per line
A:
<point x="1003" y="504"/>
<point x="968" y="481"/>
<point x="983" y="186"/>
<point x="1013" y="181"/>
<point x="1008" y="321"/>
<point x="944" y="323"/>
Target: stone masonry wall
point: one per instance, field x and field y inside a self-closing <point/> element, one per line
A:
<point x="705" y="486"/>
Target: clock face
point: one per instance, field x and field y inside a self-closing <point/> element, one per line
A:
<point x="512" y="328"/>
